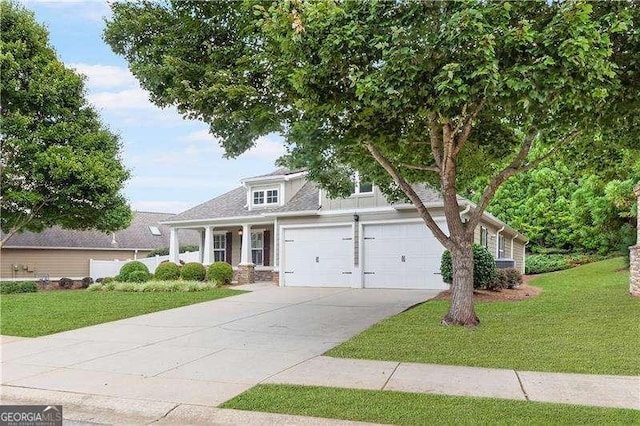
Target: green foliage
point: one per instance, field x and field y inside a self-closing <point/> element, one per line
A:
<point x="65" y="283"/>
<point x="107" y="280"/>
<point x="138" y="277"/>
<point x="56" y="154"/>
<point x="193" y="271"/>
<point x="95" y="287"/>
<point x="167" y="271"/>
<point x="130" y="267"/>
<point x="160" y="286"/>
<point x="484" y="267"/>
<point x="8" y="287"/>
<point x="220" y="273"/>
<point x="86" y="282"/>
<point x="498" y="282"/>
<point x="542" y="263"/>
<point x="513" y="278"/>
<point x="165" y="250"/>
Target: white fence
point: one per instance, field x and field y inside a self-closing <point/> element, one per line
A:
<point x="111" y="268"/>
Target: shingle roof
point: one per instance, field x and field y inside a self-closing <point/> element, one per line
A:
<point x="283" y="171"/>
<point x="136" y="236"/>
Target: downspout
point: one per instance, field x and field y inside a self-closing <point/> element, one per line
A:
<point x="524" y="257"/>
<point x="498" y="242"/>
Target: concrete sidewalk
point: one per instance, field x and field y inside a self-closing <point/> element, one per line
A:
<point x="579" y="389"/>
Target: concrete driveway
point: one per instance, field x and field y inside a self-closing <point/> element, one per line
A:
<point x="201" y="354"/>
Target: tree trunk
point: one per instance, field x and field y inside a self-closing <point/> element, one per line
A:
<point x="461" y="311"/>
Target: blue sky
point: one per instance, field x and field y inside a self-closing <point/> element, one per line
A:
<point x="175" y="163"/>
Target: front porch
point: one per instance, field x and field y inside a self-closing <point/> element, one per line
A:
<point x="248" y="247"/>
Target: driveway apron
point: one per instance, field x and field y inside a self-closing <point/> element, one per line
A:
<point x="200" y="354"/>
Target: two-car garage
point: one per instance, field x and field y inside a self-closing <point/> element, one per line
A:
<point x="400" y="255"/>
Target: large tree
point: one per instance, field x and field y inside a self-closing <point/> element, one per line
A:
<point x="401" y="91"/>
<point x="59" y="164"/>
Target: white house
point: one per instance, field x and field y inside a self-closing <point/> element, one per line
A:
<point x="281" y="227"/>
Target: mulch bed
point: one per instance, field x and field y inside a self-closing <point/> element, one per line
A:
<point x="525" y="291"/>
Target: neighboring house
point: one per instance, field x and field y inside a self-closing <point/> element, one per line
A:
<point x="57" y="252"/>
<point x="280" y="226"/>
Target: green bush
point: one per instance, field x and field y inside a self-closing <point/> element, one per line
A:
<point x="95" y="287"/>
<point x="130" y="267"/>
<point x="499" y="281"/>
<point x="9" y="287"/>
<point x="220" y="273"/>
<point x="484" y="267"/>
<point x="105" y="280"/>
<point x="138" y="277"/>
<point x="167" y="271"/>
<point x="65" y="283"/>
<point x="193" y="271"/>
<point x="111" y="285"/>
<point x="514" y="278"/>
<point x="542" y="263"/>
<point x="156" y="286"/>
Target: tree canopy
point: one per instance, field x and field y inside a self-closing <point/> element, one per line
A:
<point x="403" y="92"/>
<point x="60" y="165"/>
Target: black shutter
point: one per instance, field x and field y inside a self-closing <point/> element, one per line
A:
<point x="228" y="247"/>
<point x="266" y="247"/>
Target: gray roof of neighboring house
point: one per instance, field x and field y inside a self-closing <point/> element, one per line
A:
<point x="282" y="171"/>
<point x="136" y="236"/>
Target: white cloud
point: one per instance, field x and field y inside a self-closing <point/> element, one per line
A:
<point x="101" y="77"/>
<point x="93" y="10"/>
<point x="267" y="148"/>
<point x="162" y="206"/>
<point x="121" y="100"/>
<point x="169" y="182"/>
<point x="200" y="136"/>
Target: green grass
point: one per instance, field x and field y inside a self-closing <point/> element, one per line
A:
<point x="39" y="314"/>
<point x="583" y="322"/>
<point x="411" y="408"/>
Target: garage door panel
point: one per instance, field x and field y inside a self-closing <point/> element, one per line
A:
<point x="318" y="257"/>
<point x="401" y="255"/>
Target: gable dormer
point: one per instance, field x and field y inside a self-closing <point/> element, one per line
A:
<point x="274" y="189"/>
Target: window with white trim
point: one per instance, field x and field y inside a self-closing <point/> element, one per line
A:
<point x="484" y="237"/>
<point x="360" y="187"/>
<point x="257" y="248"/>
<point x="265" y="197"/>
<point x="500" y="246"/>
<point x="219" y="248"/>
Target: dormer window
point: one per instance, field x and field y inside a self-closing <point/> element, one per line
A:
<point x="360" y="187"/>
<point x="265" y="197"/>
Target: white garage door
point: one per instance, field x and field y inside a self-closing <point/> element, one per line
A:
<point x="401" y="255"/>
<point x="318" y="257"/>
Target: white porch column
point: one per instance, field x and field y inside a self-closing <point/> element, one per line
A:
<point x="245" y="255"/>
<point x="174" y="246"/>
<point x="207" y="251"/>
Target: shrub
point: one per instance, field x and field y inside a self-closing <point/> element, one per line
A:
<point x="514" y="278"/>
<point x="86" y="282"/>
<point x="220" y="273"/>
<point x="10" y="287"/>
<point x="138" y="277"/>
<point x="111" y="285"/>
<point x="95" y="287"/>
<point x="499" y="281"/>
<point x="167" y="271"/>
<point x="107" y="280"/>
<point x="130" y="267"/>
<point x="541" y="263"/>
<point x="65" y="283"/>
<point x="484" y="267"/>
<point x="193" y="271"/>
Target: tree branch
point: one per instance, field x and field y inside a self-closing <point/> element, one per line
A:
<point x="410" y="193"/>
<point x="420" y="167"/>
<point x="517" y="166"/>
<point x="436" y="141"/>
<point x="465" y="131"/>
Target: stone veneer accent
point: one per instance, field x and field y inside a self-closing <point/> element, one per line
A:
<point x="246" y="274"/>
<point x="634" y="269"/>
<point x="261" y="275"/>
<point x="275" y="277"/>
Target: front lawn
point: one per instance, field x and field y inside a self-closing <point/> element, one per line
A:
<point x="411" y="408"/>
<point x="583" y="322"/>
<point x="38" y="314"/>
